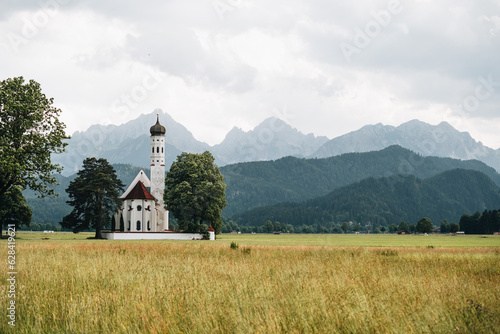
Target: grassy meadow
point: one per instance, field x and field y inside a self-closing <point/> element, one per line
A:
<point x="269" y="284"/>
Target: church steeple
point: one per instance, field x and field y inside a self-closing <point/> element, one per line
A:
<point x="157" y="129"/>
<point x="158" y="172"/>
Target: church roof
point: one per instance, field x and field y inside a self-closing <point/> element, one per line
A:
<point x="157" y="129"/>
<point x="141" y="176"/>
<point x="139" y="192"/>
<point x="211" y="229"/>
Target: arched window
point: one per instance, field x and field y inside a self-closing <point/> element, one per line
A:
<point x="129" y="223"/>
<point x="138" y="225"/>
<point x="162" y="150"/>
<point x="157" y="150"/>
<point x="149" y="227"/>
<point x="139" y="208"/>
<point x="153" y="150"/>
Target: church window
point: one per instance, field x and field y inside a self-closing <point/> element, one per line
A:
<point x="138" y="225"/>
<point x="149" y="227"/>
<point x="162" y="150"/>
<point x="157" y="150"/>
<point x="139" y="208"/>
<point x="153" y="150"/>
<point x="129" y="223"/>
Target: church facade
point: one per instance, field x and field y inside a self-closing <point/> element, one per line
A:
<point x="142" y="214"/>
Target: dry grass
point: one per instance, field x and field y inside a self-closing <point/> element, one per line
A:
<point x="201" y="287"/>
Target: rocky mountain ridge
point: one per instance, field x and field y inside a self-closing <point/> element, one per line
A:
<point x="270" y="140"/>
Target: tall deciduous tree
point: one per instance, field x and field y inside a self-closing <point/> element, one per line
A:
<point x="30" y="132"/>
<point x="454" y="227"/>
<point x="425" y="225"/>
<point x="195" y="192"/>
<point x="268" y="226"/>
<point x="93" y="195"/>
<point x="13" y="208"/>
<point x="345" y="227"/>
<point x="445" y="226"/>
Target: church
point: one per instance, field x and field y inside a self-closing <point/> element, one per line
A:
<point x="142" y="214"/>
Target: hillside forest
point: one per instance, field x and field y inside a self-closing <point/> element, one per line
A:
<point x="374" y="191"/>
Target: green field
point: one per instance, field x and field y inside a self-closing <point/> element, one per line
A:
<point x="270" y="284"/>
<point x="333" y="240"/>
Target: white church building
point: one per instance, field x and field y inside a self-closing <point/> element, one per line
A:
<point x="142" y="213"/>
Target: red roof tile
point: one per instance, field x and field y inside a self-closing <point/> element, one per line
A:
<point x="139" y="192"/>
<point x="211" y="229"/>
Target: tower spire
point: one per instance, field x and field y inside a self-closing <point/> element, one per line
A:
<point x="157" y="129"/>
<point x="158" y="172"/>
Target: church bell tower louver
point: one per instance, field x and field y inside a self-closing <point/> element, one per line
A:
<point x="158" y="172"/>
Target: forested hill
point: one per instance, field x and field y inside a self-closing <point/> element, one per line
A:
<point x="388" y="200"/>
<point x="255" y="184"/>
<point x="52" y="210"/>
<point x="289" y="179"/>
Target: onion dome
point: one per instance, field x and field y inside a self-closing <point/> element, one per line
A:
<point x="157" y="129"/>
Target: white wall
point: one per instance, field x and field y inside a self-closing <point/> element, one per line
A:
<point x="151" y="236"/>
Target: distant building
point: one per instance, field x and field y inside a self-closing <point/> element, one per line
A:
<point x="142" y="213"/>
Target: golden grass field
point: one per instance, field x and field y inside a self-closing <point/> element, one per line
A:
<point x="270" y="284"/>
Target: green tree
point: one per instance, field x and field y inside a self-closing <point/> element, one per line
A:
<point x="94" y="196"/>
<point x="404" y="226"/>
<point x="454" y="227"/>
<point x="470" y="224"/>
<point x="277" y="226"/>
<point x="424" y="225"/>
<point x="30" y="132"/>
<point x="195" y="192"/>
<point x="13" y="208"/>
<point x="445" y="226"/>
<point x="345" y="227"/>
<point x="268" y="226"/>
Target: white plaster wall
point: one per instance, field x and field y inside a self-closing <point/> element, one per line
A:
<point x="152" y="236"/>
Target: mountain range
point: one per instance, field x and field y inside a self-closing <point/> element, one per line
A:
<point x="440" y="140"/>
<point x="272" y="139"/>
<point x="275" y="163"/>
<point x="251" y="185"/>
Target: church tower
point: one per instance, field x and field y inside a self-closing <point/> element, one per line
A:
<point x="158" y="173"/>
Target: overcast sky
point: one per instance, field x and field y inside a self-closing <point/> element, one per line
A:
<point x="324" y="67"/>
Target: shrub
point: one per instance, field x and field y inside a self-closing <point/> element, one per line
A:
<point x="246" y="251"/>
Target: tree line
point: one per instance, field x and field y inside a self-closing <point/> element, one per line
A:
<point x="424" y="225"/>
<point x="485" y="223"/>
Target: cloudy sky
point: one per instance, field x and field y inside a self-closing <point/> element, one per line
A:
<point x="326" y="67"/>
